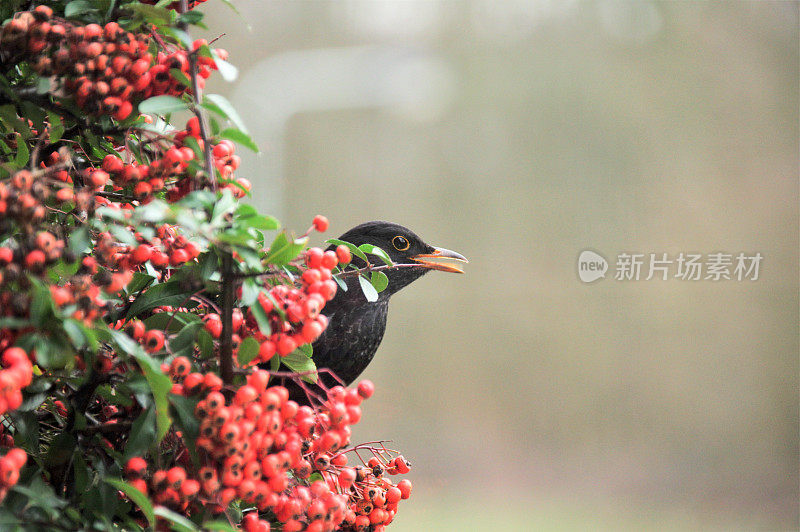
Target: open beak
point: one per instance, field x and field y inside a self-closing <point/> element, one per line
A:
<point x="431" y="260"/>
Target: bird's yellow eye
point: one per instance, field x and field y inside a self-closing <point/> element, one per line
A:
<point x="400" y="243"/>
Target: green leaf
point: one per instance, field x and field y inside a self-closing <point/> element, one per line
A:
<point x="218" y="526"/>
<point x="42" y="86"/>
<point x="140" y="281"/>
<point x="226" y="70"/>
<point x="206" y="343"/>
<point x="143" y="433"/>
<point x="282" y="250"/>
<point x="299" y="362"/>
<point x="158" y="105"/>
<point x="248" y="350"/>
<point x="75" y="333"/>
<point x="369" y="291"/>
<point x="177" y="34"/>
<point x="56" y="126"/>
<point x="140" y="499"/>
<point x="171" y="322"/>
<point x="180" y="76"/>
<point x="341" y="282"/>
<point x="225" y="109"/>
<point x="378" y="252"/>
<point x="179" y="523"/>
<point x="80" y="470"/>
<point x="123" y="235"/>
<point x="61" y="449"/>
<point x="164" y="294"/>
<point x="41" y="496"/>
<point x="379" y="281"/>
<point x="153" y="14"/>
<point x="23" y="155"/>
<point x="185" y="339"/>
<point x="159" y="384"/>
<point x="32" y="401"/>
<point x="226" y="204"/>
<point x="79" y="241"/>
<point x="240" y="137"/>
<point x="183" y="408"/>
<point x="261" y="318"/>
<point x="77" y="7"/>
<point x="26" y="434"/>
<point x="190" y="17"/>
<point x="42" y="306"/>
<point x="250" y="291"/>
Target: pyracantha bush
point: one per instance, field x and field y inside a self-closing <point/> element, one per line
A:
<point x="141" y="300"/>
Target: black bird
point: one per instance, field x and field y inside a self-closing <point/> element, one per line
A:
<point x="356" y="326"/>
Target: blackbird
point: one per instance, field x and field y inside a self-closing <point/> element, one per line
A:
<point x="356" y="326"/>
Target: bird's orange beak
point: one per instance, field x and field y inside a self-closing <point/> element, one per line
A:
<point x="431" y="260"/>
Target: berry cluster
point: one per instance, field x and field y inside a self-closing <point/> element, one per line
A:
<point x="106" y="68"/>
<point x="294" y="312"/>
<point x="247" y="447"/>
<point x="25" y="200"/>
<point x="10" y="464"/>
<point x="169" y="168"/>
<point x="16" y="374"/>
<point x="264" y="449"/>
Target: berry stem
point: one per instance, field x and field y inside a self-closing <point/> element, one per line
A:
<point x="226" y="341"/>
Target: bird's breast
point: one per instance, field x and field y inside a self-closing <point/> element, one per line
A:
<point x="351" y="339"/>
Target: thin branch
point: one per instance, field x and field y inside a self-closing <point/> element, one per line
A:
<point x="197" y="108"/>
<point x="226" y="338"/>
<point x="38" y="148"/>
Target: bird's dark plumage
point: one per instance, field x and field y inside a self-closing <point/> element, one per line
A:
<point x="356" y="326"/>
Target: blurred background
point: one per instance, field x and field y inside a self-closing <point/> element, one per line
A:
<point x="520" y="133"/>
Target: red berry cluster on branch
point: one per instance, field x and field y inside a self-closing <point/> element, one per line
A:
<point x="294" y="312"/>
<point x="169" y="168"/>
<point x="264" y="449"/>
<point x="107" y="69"/>
<point x="16" y="374"/>
<point x="10" y="464"/>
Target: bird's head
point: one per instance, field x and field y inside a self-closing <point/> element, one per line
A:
<point x="405" y="248"/>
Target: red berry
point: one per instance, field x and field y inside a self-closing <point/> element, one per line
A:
<point x="142" y="253"/>
<point x="35" y="260"/>
<point x="178" y="257"/>
<point x="405" y="488"/>
<point x="180" y="366"/>
<point x="286" y="345"/>
<point x="245" y="395"/>
<point x="112" y="164"/>
<point x="314" y="257"/>
<point x="393" y="495"/>
<point x="329" y="260"/>
<point x="154" y="340"/>
<point x="366" y="389"/>
<point x="266" y="350"/>
<point x="320" y="223"/>
<point x="343" y="254"/>
<point x="135" y="467"/>
<point x="213" y="324"/>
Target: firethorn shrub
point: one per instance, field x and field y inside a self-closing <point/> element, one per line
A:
<point x="141" y="298"/>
